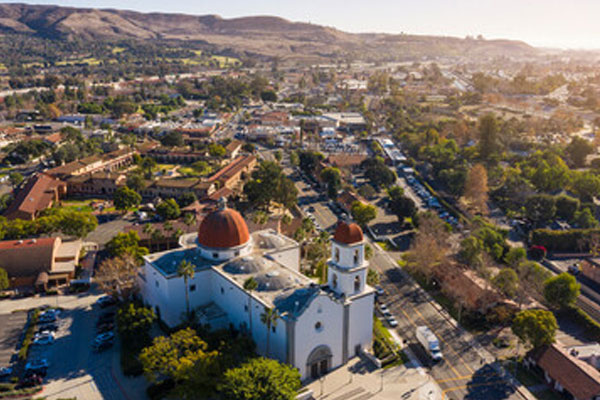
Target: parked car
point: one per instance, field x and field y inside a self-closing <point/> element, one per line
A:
<point x="44" y="339"/>
<point x="102" y="345"/>
<point x="38" y="366"/>
<point x="50" y="327"/>
<point x="106" y="301"/>
<point x="5" y="371"/>
<point x="105" y="336"/>
<point x="392" y="321"/>
<point x="46" y="317"/>
<point x="43" y="334"/>
<point x="107" y="327"/>
<point x="574" y="269"/>
<point x="383" y="307"/>
<point x="379" y="290"/>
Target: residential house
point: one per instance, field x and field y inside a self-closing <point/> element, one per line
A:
<point x="565" y="371"/>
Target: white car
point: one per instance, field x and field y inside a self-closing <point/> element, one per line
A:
<point x="383" y="307"/>
<point x="44" y="340"/>
<point x="43" y="334"/>
<point x="392" y="321"/>
<point x="379" y="290"/>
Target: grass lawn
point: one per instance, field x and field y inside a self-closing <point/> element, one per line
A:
<point x="188" y="171"/>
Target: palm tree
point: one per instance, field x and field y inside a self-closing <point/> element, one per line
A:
<point x="187" y="270"/>
<point x="189" y="219"/>
<point x="250" y="284"/>
<point x="269" y="318"/>
<point x="149" y="230"/>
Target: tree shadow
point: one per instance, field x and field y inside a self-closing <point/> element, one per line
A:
<point x="487" y="384"/>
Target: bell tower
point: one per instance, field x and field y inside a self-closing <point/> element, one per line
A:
<point x="347" y="272"/>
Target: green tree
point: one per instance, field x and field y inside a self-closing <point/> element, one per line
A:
<point x="186" y="199"/>
<point x="172" y="139"/>
<point x="269" y="318"/>
<point x="584" y="219"/>
<point x="566" y="207"/>
<point x="507" y="281"/>
<point x="471" y="251"/>
<point x="260" y="379"/>
<point x="515" y="256"/>
<point x="15" y="179"/>
<point x="216" y="150"/>
<point x="270" y="184"/>
<point x="535" y="327"/>
<point x="4" y="280"/>
<point x="187" y="270"/>
<point x="540" y="208"/>
<point x="488" y="136"/>
<point x="561" y="291"/>
<point x="372" y="277"/>
<point x="133" y="321"/>
<point x="578" y="150"/>
<point x="333" y="178"/>
<point x="401" y="205"/>
<point x="363" y="213"/>
<point x="76" y="223"/>
<point x="202" y="168"/>
<point x="126" y="243"/>
<point x="183" y="357"/>
<point x="125" y="198"/>
<point x="168" y="209"/>
<point x="135" y="181"/>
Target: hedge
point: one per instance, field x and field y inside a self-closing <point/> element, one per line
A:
<point x="592" y="328"/>
<point x="572" y="240"/>
<point x="29" y="334"/>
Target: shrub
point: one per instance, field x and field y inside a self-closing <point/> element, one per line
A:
<point x="29" y="333"/>
<point x="571" y="240"/>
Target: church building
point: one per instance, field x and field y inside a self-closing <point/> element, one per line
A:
<point x="240" y="278"/>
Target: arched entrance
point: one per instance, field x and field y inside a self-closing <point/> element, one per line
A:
<point x="319" y="361"/>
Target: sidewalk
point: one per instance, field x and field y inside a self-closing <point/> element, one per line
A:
<point x="359" y="380"/>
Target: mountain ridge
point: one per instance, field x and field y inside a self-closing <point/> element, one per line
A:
<point x="265" y="35"/>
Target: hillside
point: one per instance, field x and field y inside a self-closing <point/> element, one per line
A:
<point x="264" y="35"/>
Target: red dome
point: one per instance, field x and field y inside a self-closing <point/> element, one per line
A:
<point x="348" y="233"/>
<point x="222" y="229"/>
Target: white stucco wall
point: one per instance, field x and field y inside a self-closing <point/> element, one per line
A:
<point x="345" y="279"/>
<point x="346" y="254"/>
<point x="331" y="315"/>
<point x="360" y="323"/>
<point x="225" y="254"/>
<point x="169" y="293"/>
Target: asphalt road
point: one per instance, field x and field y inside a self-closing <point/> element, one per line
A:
<point x="466" y="372"/>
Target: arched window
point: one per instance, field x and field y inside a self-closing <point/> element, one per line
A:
<point x="334" y="281"/>
<point x="356" y="257"/>
<point x="357" y="283"/>
<point x="337" y="254"/>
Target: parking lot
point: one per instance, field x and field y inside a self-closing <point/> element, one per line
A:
<point x="11" y="329"/>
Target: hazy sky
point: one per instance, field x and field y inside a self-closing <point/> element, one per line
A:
<point x="560" y="23"/>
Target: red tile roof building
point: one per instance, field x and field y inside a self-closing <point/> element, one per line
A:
<point x="37" y="194"/>
<point x="566" y="372"/>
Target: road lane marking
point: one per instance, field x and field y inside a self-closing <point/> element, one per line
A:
<point x="415" y="325"/>
<point x="425" y="320"/>
<point x="462" y="387"/>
